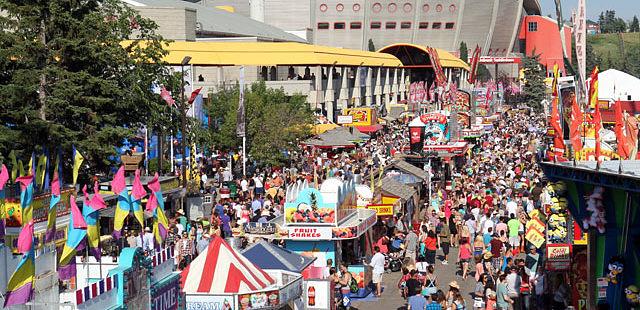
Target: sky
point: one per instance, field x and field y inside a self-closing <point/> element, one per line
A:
<point x="624" y="8"/>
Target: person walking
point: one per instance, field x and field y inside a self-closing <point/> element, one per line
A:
<point x="444" y="238"/>
<point x="503" y="301"/>
<point x="411" y="242"/>
<point x="377" y="262"/>
<point x="464" y="255"/>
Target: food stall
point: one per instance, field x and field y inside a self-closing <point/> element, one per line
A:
<point x="325" y="224"/>
<point x="223" y="278"/>
<point x="365" y="119"/>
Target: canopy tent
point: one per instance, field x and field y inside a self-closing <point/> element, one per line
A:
<point x="369" y="128"/>
<point x="220" y="269"/>
<point x="395" y="188"/>
<point x="268" y="256"/>
<point x="616" y="85"/>
<point x="337" y="137"/>
<point x="322" y="128"/>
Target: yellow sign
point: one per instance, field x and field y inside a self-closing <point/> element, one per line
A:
<point x="535" y="224"/>
<point x="387" y="200"/>
<point x="382" y="210"/>
<point x="40" y="205"/>
<point x="535" y="237"/>
<point x="362" y="116"/>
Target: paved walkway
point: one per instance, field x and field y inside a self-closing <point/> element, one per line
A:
<point x="391" y="298"/>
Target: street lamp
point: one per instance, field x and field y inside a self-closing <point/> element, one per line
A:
<point x="183" y="116"/>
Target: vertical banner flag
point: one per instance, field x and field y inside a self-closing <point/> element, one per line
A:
<point x="593" y="102"/>
<point x="14" y="166"/>
<point x="580" y="32"/>
<point x="32" y="165"/>
<point x="76" y="232"/>
<point x="558" y="142"/>
<point x="91" y="215"/>
<point x="77" y="161"/>
<point x="137" y="193"/>
<point x="123" y="206"/>
<point x="4" y="177"/>
<point x="166" y="96"/>
<point x="26" y="197"/>
<point x="53" y="202"/>
<point x="21" y="284"/>
<point x="240" y="123"/>
<point x="576" y="123"/>
<point x="40" y="170"/>
<point x="620" y="130"/>
<point x="475" y="61"/>
<point x="155" y="204"/>
<point x="194" y="95"/>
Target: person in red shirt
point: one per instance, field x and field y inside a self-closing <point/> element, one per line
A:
<point x="496" y="251"/>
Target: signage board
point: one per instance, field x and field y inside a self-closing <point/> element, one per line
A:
<point x="361" y="116"/>
<point x="382" y="209"/>
<point x="166" y="296"/>
<point x="259" y="300"/>
<point x="40" y="204"/>
<point x="310" y="208"/>
<point x="535" y="237"/>
<point x="255" y="228"/>
<point x="345" y="119"/>
<point x="558" y="256"/>
<point x="209" y="302"/>
<point x="310" y="233"/>
<point x="318" y="294"/>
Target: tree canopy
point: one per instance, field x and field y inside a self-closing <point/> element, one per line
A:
<point x="275" y="122"/>
<point x="534" y="87"/>
<point x="66" y="80"/>
<point x="609" y="23"/>
<point x="464" y="52"/>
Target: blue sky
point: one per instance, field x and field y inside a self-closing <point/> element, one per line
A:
<point x="624" y="8"/>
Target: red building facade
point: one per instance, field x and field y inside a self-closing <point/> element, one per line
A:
<point x="540" y="34"/>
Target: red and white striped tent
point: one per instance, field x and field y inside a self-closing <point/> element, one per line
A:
<point x="222" y="270"/>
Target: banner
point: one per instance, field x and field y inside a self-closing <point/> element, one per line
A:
<point x="240" y="124"/>
<point x="416" y="135"/>
<point x="580" y="32"/>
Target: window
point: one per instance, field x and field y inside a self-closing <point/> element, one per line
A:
<point x="392" y="7"/>
<point x="356" y="7"/>
<point x="533" y="26"/>
<point x="376" y="8"/>
<point x="436" y="26"/>
<point x="423" y="25"/>
<point x="376" y="25"/>
<point x="339" y="25"/>
<point x="407" y="7"/>
<point x="322" y="26"/>
<point x="405" y="25"/>
<point x="449" y="25"/>
<point x="323" y="7"/>
<point x="355" y="25"/>
<point x="339" y="7"/>
<point x="390" y="25"/>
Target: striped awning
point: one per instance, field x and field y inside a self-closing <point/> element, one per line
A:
<point x="220" y="269"/>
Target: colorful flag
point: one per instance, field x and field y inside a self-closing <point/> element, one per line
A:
<point x="76" y="232"/>
<point x="155" y="204"/>
<point x="620" y="131"/>
<point x="554" y="83"/>
<point x="194" y="95"/>
<point x="25" y="238"/>
<point x="41" y="168"/>
<point x="166" y="96"/>
<point x="47" y="184"/>
<point x="574" y="129"/>
<point x="53" y="202"/>
<point x="475" y="61"/>
<point x="558" y="142"/>
<point x="77" y="161"/>
<point x="21" y="284"/>
<point x="14" y="165"/>
<point x="4" y="177"/>
<point x="593" y="102"/>
<point x="32" y="165"/>
<point x="92" y="216"/>
<point x="137" y="193"/>
<point x="26" y="197"/>
<point x="20" y="169"/>
<point x="127" y="202"/>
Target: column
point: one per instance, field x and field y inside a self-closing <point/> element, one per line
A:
<point x="357" y="89"/>
<point x="329" y="95"/>
<point x="343" y="96"/>
<point x="377" y="91"/>
<point x="387" y="88"/>
<point x="368" y="89"/>
<point x="403" y="86"/>
<point x="319" y="94"/>
<point x="394" y="87"/>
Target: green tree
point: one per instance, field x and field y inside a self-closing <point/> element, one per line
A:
<point x="634" y="25"/>
<point x="371" y="46"/>
<point x="275" y="122"/>
<point x="534" y="87"/>
<point x="464" y="52"/>
<point x="483" y="73"/>
<point x="65" y="78"/>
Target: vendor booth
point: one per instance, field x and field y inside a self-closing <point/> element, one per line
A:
<point x="325" y="224"/>
<point x="222" y="278"/>
<point x="604" y="200"/>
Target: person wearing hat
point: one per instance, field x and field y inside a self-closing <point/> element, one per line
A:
<point x="491" y="299"/>
<point x="444" y="237"/>
<point x="148" y="242"/>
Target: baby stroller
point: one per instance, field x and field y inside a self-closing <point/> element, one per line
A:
<point x="393" y="260"/>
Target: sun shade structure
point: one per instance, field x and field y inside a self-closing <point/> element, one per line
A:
<point x="418" y="55"/>
<point x="269" y="256"/>
<point x="220" y="269"/>
<point x="271" y="53"/>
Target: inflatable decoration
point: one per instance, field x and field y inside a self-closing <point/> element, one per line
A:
<point x="616" y="266"/>
<point x="594" y="205"/>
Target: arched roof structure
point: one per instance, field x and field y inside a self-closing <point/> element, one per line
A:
<point x="412" y="55"/>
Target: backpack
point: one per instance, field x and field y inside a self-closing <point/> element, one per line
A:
<point x="353" y="284"/>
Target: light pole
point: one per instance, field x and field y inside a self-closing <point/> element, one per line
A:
<point x="183" y="119"/>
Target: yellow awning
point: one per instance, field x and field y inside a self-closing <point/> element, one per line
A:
<point x="322" y="128"/>
<point x="447" y="60"/>
<point x="271" y="54"/>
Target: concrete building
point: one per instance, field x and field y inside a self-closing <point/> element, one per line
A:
<point x="491" y="24"/>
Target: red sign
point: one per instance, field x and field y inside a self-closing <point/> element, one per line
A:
<point x="433" y="117"/>
<point x="415" y="134"/>
<point x="558" y="257"/>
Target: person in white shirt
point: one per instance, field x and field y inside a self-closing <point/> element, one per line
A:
<point x="377" y="262"/>
<point x="148" y="240"/>
<point x="512" y="208"/>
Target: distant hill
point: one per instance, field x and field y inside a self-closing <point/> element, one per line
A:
<point x="607" y="52"/>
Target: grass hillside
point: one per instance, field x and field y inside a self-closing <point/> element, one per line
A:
<point x="607" y="54"/>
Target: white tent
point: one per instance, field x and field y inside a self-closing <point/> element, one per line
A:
<point x="616" y="85"/>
